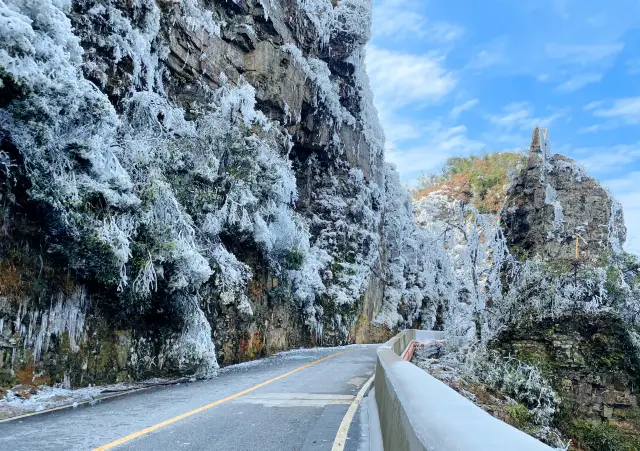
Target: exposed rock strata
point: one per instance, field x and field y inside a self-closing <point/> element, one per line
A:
<point x="552" y="202"/>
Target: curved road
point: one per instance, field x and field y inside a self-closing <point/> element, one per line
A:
<point x="292" y="401"/>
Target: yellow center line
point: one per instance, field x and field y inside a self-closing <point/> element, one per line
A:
<point x="155" y="427"/>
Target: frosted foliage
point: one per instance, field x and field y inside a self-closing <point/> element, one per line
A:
<point x="550" y="195"/>
<point x="75" y="121"/>
<point x="321" y="14"/>
<point x="551" y="198"/>
<point x="349" y="235"/>
<point x="307" y="286"/>
<point x="352" y="17"/>
<point x="538" y="293"/>
<point x="198" y="18"/>
<point x="169" y="224"/>
<point x="327" y="92"/>
<point x="483" y="290"/>
<point x="231" y="276"/>
<point x="371" y="127"/>
<point x="411" y="284"/>
<point x="328" y="95"/>
<point x="116" y="232"/>
<point x="132" y="37"/>
<point x="523" y="383"/>
<point x="259" y="200"/>
<point x="576" y="170"/>
<point x="558" y="217"/>
<point x="470" y="252"/>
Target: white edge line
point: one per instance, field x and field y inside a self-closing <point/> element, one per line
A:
<point x="341" y="436"/>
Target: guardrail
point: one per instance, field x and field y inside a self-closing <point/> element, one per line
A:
<point x="418" y="412"/>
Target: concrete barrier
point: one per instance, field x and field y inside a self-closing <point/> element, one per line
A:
<point x="418" y="412"/>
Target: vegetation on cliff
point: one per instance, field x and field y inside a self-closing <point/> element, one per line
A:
<point x="480" y="180"/>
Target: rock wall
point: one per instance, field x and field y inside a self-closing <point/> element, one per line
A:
<point x="185" y="183"/>
<point x="592" y="362"/>
<point x="552" y="202"/>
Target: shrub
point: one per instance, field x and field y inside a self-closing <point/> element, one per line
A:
<point x="522" y="381"/>
<point x="480" y="180"/>
<point x="598" y="436"/>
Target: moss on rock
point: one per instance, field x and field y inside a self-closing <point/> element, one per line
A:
<point x="594" y="366"/>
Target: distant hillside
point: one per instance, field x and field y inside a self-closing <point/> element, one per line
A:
<point x="477" y="179"/>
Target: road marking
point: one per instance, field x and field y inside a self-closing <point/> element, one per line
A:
<point x="296" y="399"/>
<point x="208" y="406"/>
<point x="341" y="436"/>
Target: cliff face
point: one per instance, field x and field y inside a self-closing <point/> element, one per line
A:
<point x="591" y="360"/>
<point x="496" y="269"/>
<point x="553" y="202"/>
<point x="185" y="183"/>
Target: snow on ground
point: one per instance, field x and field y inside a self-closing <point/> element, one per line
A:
<point x="23" y="399"/>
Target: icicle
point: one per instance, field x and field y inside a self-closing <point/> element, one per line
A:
<point x="615" y="236"/>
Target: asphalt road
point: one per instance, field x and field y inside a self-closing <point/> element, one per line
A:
<point x="300" y="407"/>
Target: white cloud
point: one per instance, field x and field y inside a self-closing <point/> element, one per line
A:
<point x="625" y="109"/>
<point x="489" y="54"/>
<point x="601" y="160"/>
<point x="579" y="81"/>
<point x="436" y="144"/>
<point x="594" y="105"/>
<point x="444" y="32"/>
<point x="396" y="19"/>
<point x="485" y="59"/>
<point x="501" y="141"/>
<point x="592" y="128"/>
<point x="513" y="115"/>
<point x="582" y="54"/>
<point x="520" y="116"/>
<point x="396" y="23"/>
<point x="399" y="79"/>
<point x="397" y="130"/>
<point x="456" y="111"/>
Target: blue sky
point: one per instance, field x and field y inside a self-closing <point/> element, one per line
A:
<point x="457" y="77"/>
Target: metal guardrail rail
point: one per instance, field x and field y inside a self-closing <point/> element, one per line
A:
<point x="418" y="412"/>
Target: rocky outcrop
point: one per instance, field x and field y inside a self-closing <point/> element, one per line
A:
<point x="544" y="339"/>
<point x="186" y="183"/>
<point x="553" y="202"/>
<point x="591" y="360"/>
